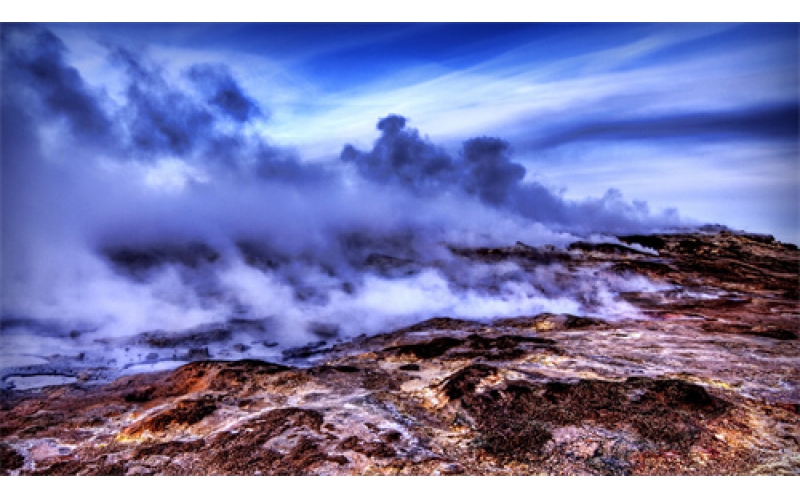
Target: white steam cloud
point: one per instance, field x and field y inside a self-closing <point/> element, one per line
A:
<point x="162" y="210"/>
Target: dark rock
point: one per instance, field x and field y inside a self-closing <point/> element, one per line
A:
<point x="245" y="453"/>
<point x="653" y="242"/>
<point x="668" y="412"/>
<point x="324" y="330"/>
<point x="183" y="413"/>
<point x="9" y="459"/>
<point x="606" y="248"/>
<point x="139" y="395"/>
<point x="775" y="333"/>
<point x="512" y="436"/>
<point x="465" y="380"/>
<point x="136" y="261"/>
<point x="376" y="449"/>
<point x="642" y="267"/>
<point x="305" y="351"/>
<point x="198" y="336"/>
<point x="198" y="353"/>
<point x="440" y="324"/>
<point x="549" y="321"/>
<point x="427" y="350"/>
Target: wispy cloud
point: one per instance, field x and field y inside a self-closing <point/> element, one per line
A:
<point x="519" y="96"/>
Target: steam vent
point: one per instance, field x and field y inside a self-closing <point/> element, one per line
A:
<point x="702" y="380"/>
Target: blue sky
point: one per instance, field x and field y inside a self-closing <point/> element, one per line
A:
<point x="700" y="117"/>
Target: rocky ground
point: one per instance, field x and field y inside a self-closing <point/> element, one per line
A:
<point x="705" y="383"/>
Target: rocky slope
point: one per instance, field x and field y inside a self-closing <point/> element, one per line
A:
<point x="705" y="382"/>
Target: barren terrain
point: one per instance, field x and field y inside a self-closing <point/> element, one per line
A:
<point x="704" y="382"/>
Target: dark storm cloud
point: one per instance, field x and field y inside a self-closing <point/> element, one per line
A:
<point x="489" y="171"/>
<point x="400" y="156"/>
<point x="484" y="169"/>
<point x="33" y="61"/>
<point x="769" y="122"/>
<point x="157" y="118"/>
<point x="201" y="115"/>
<point x="204" y="123"/>
<point x="161" y="119"/>
<point x="223" y="93"/>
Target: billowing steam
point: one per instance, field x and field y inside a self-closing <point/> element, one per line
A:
<point x="158" y="206"/>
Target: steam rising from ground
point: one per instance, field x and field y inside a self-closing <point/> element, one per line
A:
<point x="160" y="206"/>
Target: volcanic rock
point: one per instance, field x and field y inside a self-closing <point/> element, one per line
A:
<point x="704" y="382"/>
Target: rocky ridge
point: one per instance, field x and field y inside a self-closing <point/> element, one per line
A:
<point x="705" y="382"/>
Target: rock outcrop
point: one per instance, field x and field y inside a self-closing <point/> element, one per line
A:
<point x="704" y="383"/>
